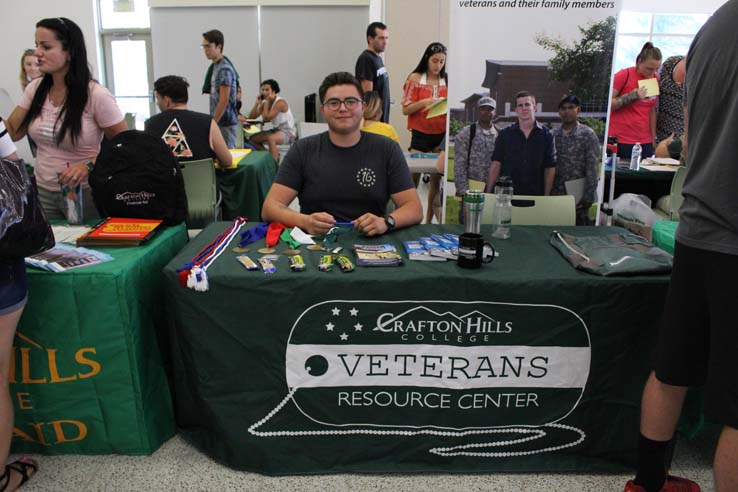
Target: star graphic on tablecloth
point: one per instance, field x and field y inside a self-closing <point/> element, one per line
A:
<point x="354" y="311"/>
<point x="329" y="326"/>
<point x="344" y="336"/>
<point x="358" y="326"/>
<point x="336" y="311"/>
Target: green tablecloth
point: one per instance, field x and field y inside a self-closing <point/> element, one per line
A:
<point x="664" y="234"/>
<point x="245" y="187"/>
<point x="414" y="368"/>
<point x="87" y="376"/>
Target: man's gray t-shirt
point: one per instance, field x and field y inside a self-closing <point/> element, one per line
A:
<point x="709" y="214"/>
<point x="346" y="182"/>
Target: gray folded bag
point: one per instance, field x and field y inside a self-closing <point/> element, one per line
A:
<point x="621" y="253"/>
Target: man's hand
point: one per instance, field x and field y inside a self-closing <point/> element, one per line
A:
<point x="370" y="225"/>
<point x="319" y="223"/>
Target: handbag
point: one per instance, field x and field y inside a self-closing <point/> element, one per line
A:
<point x="24" y="229"/>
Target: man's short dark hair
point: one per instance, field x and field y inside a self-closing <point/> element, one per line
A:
<point x="371" y="30"/>
<point x="172" y="86"/>
<point x="524" y="94"/>
<point x="214" y="36"/>
<point x="271" y="83"/>
<point x="339" y="78"/>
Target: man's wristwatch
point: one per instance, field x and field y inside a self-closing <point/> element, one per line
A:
<point x="390" y="221"/>
<point x="89" y="165"/>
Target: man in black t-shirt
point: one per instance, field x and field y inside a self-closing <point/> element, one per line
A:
<point x="370" y="69"/>
<point x="343" y="174"/>
<point x="190" y="135"/>
<point x="698" y="334"/>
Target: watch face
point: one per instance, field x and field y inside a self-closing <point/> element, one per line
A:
<point x="390" y="221"/>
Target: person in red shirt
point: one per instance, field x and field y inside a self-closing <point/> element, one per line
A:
<point x="633" y="113"/>
<point x="425" y="86"/>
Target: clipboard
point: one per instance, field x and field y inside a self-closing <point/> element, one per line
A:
<point x="651" y="85"/>
<point x="438" y="108"/>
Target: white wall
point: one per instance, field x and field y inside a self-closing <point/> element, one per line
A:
<point x="18" y="24"/>
<point x="176" y="38"/>
<point x="300" y="45"/>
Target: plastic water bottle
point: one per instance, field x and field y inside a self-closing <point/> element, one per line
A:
<point x="503" y="208"/>
<point x="635" y="157"/>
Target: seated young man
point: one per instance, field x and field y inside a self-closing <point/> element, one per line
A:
<point x="190" y="135"/>
<point x="343" y="174"/>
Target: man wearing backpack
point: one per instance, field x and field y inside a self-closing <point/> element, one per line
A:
<point x="474" y="147"/>
<point x="221" y="83"/>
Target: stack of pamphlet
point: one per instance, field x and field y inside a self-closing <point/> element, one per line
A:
<point x="64" y="257"/>
<point x="377" y="255"/>
<point x="436" y="247"/>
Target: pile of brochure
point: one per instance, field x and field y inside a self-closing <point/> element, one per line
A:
<point x="63" y="257"/>
<point x="436" y="247"/>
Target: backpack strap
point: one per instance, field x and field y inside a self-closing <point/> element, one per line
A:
<point x="472" y="132"/>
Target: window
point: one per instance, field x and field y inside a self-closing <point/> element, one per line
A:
<point x="125" y="29"/>
<point x="671" y="33"/>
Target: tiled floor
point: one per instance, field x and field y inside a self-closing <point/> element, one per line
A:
<point x="177" y="466"/>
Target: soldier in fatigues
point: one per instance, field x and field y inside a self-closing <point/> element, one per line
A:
<point x="474" y="146"/>
<point x="577" y="156"/>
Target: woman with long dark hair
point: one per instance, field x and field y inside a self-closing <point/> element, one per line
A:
<point x="633" y="114"/>
<point x="66" y="113"/>
<point x="424" y="87"/>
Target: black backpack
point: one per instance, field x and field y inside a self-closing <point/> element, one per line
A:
<point x="137" y="176"/>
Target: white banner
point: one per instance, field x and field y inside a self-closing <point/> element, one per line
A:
<point x="437" y="366"/>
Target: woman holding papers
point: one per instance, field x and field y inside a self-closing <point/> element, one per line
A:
<point x="634" y="98"/>
<point x="426" y="89"/>
<point x="66" y="113"/>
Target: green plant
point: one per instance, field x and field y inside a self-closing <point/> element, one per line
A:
<point x="455" y="126"/>
<point x="587" y="63"/>
<point x="596" y="124"/>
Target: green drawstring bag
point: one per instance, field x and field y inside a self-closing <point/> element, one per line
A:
<point x="622" y="253"/>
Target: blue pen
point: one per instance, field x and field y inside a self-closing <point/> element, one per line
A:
<point x="344" y="224"/>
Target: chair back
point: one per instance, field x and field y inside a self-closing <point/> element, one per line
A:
<point x="202" y="192"/>
<point x="535" y="210"/>
<point x="676" y="198"/>
<point x="306" y="129"/>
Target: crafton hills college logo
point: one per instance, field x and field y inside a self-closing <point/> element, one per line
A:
<point x="443" y="368"/>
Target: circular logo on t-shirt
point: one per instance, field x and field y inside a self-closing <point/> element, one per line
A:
<point x="366" y="177"/>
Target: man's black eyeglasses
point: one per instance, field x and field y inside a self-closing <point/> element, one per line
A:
<point x="334" y="104"/>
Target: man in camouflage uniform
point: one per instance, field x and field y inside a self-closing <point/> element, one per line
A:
<point x="473" y="163"/>
<point x="578" y="156"/>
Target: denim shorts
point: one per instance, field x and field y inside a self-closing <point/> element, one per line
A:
<point x="13" y="286"/>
